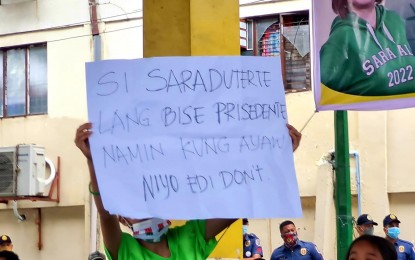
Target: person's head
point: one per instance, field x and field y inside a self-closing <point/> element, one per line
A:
<point x="245" y="224"/>
<point x="343" y="7"/>
<point x="96" y="256"/>
<point x="289" y="233"/>
<point x="368" y="247"/>
<point x="8" y="255"/>
<point x="6" y="243"/>
<point x="364" y="225"/>
<point x="391" y="226"/>
<point x="149" y="229"/>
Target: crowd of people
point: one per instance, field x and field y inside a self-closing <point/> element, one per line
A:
<point x="366" y="246"/>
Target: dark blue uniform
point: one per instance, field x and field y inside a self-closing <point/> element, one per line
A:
<point x="252" y="245"/>
<point x="405" y="250"/>
<point x="302" y="250"/>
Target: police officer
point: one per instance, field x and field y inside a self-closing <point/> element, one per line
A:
<point x="6" y="243"/>
<point x="252" y="244"/>
<point x="293" y="248"/>
<point x="405" y="249"/>
<point x="364" y="225"/>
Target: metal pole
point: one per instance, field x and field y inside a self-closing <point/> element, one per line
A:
<point x="343" y="200"/>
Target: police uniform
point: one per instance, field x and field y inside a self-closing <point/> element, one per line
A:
<point x="252" y="245"/>
<point x="302" y="250"/>
<point x="405" y="250"/>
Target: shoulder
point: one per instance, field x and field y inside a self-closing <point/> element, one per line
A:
<point x="390" y="16"/>
<point x="309" y="245"/>
<point x="127" y="237"/>
<point x="191" y="225"/>
<point x="306" y="243"/>
<point x="129" y="245"/>
<point x="190" y="229"/>
<point x="252" y="236"/>
<point x="278" y="250"/>
<point x="404" y="242"/>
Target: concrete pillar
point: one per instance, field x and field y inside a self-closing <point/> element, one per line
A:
<point x="191" y="27"/>
<point x="325" y="218"/>
<point x="196" y="28"/>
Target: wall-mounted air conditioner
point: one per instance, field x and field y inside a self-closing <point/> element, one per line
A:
<point x="22" y="168"/>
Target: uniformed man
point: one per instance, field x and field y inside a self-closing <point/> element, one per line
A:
<point x="293" y="248"/>
<point x="405" y="249"/>
<point x="252" y="244"/>
<point x="364" y="225"/>
<point x="6" y="243"/>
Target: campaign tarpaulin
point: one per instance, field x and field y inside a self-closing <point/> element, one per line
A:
<point x="192" y="138"/>
<point x="362" y="63"/>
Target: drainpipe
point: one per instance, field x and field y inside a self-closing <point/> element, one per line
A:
<point x="96" y="38"/>
<point x="356" y="156"/>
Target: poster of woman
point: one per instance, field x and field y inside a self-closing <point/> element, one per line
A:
<point x="365" y="58"/>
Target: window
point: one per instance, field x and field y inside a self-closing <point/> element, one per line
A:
<point x="250" y="34"/>
<point x="269" y="44"/>
<point x="296" y="55"/>
<point x="24" y="84"/>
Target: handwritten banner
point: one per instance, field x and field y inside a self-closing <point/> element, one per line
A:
<point x="362" y="65"/>
<point x="192" y="137"/>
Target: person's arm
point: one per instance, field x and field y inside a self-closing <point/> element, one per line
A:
<point x="256" y="249"/>
<point x="215" y="226"/>
<point x="253" y="257"/>
<point x="295" y="136"/>
<point x="315" y="253"/>
<point x="110" y="227"/>
<point x="412" y="253"/>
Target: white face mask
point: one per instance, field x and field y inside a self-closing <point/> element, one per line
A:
<point x="150" y="230"/>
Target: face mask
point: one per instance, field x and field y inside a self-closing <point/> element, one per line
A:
<point x="150" y="230"/>
<point x="244" y="229"/>
<point x="393" y="232"/>
<point x="290" y="239"/>
<point x="369" y="231"/>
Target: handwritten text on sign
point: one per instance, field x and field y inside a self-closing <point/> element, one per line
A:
<point x="192" y="137"/>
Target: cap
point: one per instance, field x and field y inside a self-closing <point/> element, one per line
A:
<point x="245" y="221"/>
<point x="96" y="256"/>
<point x="389" y="219"/>
<point x="5" y="239"/>
<point x="365" y="219"/>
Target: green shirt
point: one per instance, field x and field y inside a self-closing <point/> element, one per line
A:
<point x="186" y="242"/>
<point x="361" y="60"/>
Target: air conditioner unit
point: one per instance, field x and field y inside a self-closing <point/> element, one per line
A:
<point x="21" y="168"/>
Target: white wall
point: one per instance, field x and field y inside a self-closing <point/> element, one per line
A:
<point x="65" y="225"/>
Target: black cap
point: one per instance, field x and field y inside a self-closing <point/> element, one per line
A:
<point x="96" y="256"/>
<point x="365" y="219"/>
<point x="389" y="219"/>
<point x="245" y="221"/>
<point x="5" y="239"/>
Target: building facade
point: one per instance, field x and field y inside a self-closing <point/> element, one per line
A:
<point x="44" y="103"/>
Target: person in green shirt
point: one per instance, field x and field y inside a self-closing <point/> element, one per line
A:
<point x="152" y="238"/>
<point x="367" y="53"/>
